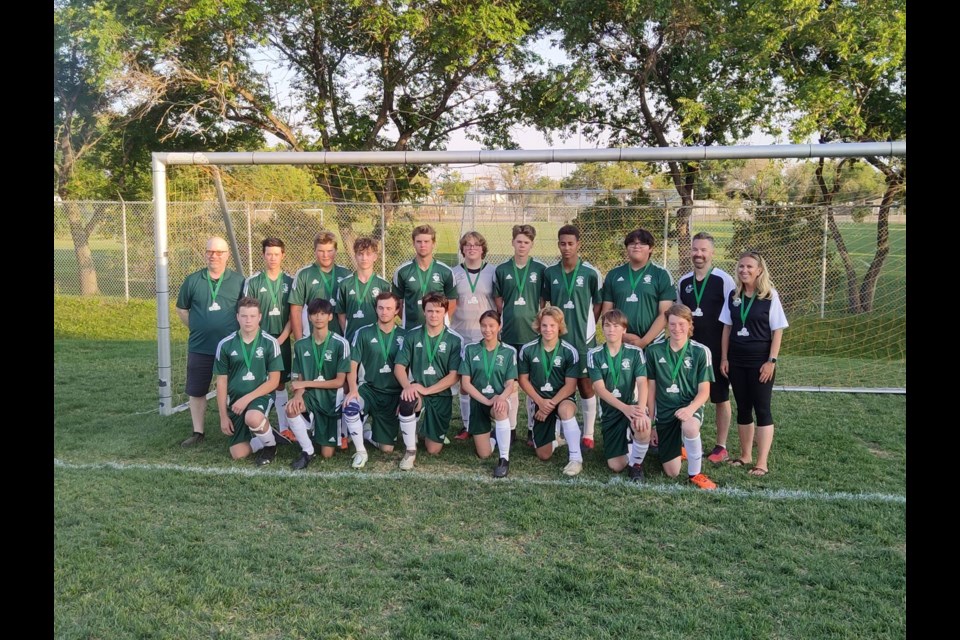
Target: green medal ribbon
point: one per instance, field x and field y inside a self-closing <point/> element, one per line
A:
<point x="424" y="282"/>
<point x="323" y="347"/>
<point x="274" y="292"/>
<point x="364" y="290"/>
<point x="436" y="344"/>
<point x="385" y="341"/>
<point x="214" y="292"/>
<point x="488" y="370"/>
<point x="573" y="278"/>
<point x="745" y="309"/>
<point x="633" y="283"/>
<point x="614" y="364"/>
<point x="676" y="367"/>
<point x="327" y="283"/>
<point x="521" y="281"/>
<point x="699" y="294"/>
<point x="248" y="358"/>
<point x="547" y="363"/>
<point x="473" y="285"/>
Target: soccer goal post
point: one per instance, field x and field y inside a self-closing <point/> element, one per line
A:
<point x="832" y="228"/>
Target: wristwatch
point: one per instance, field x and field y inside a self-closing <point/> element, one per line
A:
<point x="773" y="360"/>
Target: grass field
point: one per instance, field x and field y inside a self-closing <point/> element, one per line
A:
<point x="154" y="541"/>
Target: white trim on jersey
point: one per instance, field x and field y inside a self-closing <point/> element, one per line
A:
<point x="709" y="353"/>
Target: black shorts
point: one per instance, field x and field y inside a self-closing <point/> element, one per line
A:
<point x="199" y="374"/>
<point x="720" y="387"/>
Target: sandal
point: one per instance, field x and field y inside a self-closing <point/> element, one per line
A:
<point x="737" y="462"/>
<point x="758" y="472"/>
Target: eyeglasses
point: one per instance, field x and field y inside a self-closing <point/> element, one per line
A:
<point x="472" y="246"/>
<point x="216" y="253"/>
<point x="637" y="245"/>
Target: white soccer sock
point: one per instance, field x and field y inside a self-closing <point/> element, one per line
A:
<point x="638" y="452"/>
<point x="299" y="426"/>
<point x="465" y="410"/>
<point x="408" y="429"/>
<point x="571" y="431"/>
<point x="513" y="407"/>
<point x="694" y="454"/>
<point x="267" y="439"/>
<point x="355" y="429"/>
<point x="589" y="408"/>
<point x="280" y="402"/>
<point x="256" y="445"/>
<point x="502" y="429"/>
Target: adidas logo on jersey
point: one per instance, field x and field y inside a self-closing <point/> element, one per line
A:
<point x="234" y="353"/>
<point x="535" y="359"/>
<point x="509" y="277"/>
<point x="374" y="341"/>
<point x="412" y="279"/>
<point x="315" y="281"/>
<point x="418" y="345"/>
<point x="662" y="360"/>
<point x="306" y="354"/>
<point x="352" y="292"/>
<point x="263" y="289"/>
<point x="620" y="279"/>
<point x="477" y="358"/>
<point x="554" y="281"/>
<point x="603" y="366"/>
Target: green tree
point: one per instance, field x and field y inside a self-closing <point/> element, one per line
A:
<point x="608" y="176"/>
<point x="607" y="222"/>
<point x="451" y="187"/>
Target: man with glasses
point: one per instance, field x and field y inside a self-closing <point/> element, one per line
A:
<point x="207" y="305"/>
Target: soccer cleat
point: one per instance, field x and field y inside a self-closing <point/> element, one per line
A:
<point x="289" y="435"/>
<point x="280" y="436"/>
<point x="573" y="468"/>
<point x="683" y="453"/>
<point x="303" y="461"/>
<point x="701" y="481"/>
<point x="561" y="441"/>
<point x="463" y="435"/>
<point x="718" y="455"/>
<point x="266" y="456"/>
<point x="406" y="463"/>
<point x="587" y="443"/>
<point x="502" y="468"/>
<point x="344" y="443"/>
<point x="195" y="439"/>
<point x="359" y="460"/>
<point x="635" y="472"/>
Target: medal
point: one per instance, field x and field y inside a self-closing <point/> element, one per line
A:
<point x="248" y="375"/>
<point x="632" y="298"/>
<point x="385" y="369"/>
<point x="568" y="304"/>
<point x="358" y="314"/>
<point x="214" y="307"/>
<point x="547" y="387"/>
<point x="698" y="312"/>
<point x="487" y="389"/>
<point x="673" y="389"/>
<point x="248" y="358"/>
<point x="569" y="284"/>
<point x="743" y="332"/>
<point x="616" y="393"/>
<point x="274" y="312"/>
<point x="213" y="292"/>
<point x="473" y="300"/>
<point x="520" y="302"/>
<point x="430" y="371"/>
<point x="698" y="293"/>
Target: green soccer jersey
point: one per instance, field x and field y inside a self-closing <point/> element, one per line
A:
<point x="247" y="366"/>
<point x="212" y="306"/>
<point x="489" y="371"/>
<point x="520" y="301"/>
<point x="639" y="293"/>
<point x="311" y="282"/>
<point x="376" y="352"/>
<point x="274" y="297"/>
<point x="358" y="300"/>
<point x="619" y="373"/>
<point x="693" y="365"/>
<point x="411" y="284"/>
<point x="576" y="293"/>
<point x="548" y="371"/>
<point x="323" y="361"/>
<point x="429" y="359"/>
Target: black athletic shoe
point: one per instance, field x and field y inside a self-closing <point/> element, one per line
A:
<point x="503" y="466"/>
<point x="303" y="461"/>
<point x="281" y="436"/>
<point x="195" y="439"/>
<point x="635" y="473"/>
<point x="266" y="456"/>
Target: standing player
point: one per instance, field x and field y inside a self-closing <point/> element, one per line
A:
<point x="516" y="291"/>
<point x="414" y="279"/>
<point x="320" y="365"/>
<point x="573" y="285"/>
<point x="372" y="388"/>
<point x="207" y="305"/>
<point x="271" y="287"/>
<point x="426" y="368"/>
<point x="548" y="369"/>
<point x="317" y="280"/>
<point x="487" y="373"/>
<point x="473" y="279"/>
<point x="679" y="371"/>
<point x="706" y="290"/>
<point x="619" y="374"/>
<point x="248" y="366"/>
<point x="357" y="293"/>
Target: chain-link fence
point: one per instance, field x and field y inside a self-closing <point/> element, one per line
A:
<point x="854" y="340"/>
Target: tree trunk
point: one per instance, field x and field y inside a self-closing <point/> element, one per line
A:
<point x="80" y="233"/>
<point x="853" y="297"/>
<point x="868" y="289"/>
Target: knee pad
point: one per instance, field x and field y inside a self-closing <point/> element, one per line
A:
<point x="407" y="407"/>
<point x="352" y="409"/>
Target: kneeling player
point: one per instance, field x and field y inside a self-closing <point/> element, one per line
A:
<point x="248" y="365"/>
<point x="619" y="374"/>
<point x="679" y="371"/>
<point x="487" y="373"/>
<point x="320" y="365"/>
<point x="548" y="370"/>
<point x="426" y="368"/>
<point x="373" y="354"/>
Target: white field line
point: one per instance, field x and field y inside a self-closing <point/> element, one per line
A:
<point x="767" y="494"/>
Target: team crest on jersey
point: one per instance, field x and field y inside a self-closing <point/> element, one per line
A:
<point x="647" y="279"/>
<point x="533" y="277"/>
<point x="579" y="281"/>
<point x="557" y="361"/>
<point x="376" y="291"/>
<point x="286" y="287"/>
<point x="442" y="347"/>
<point x="688" y="288"/>
<point x="736" y="302"/>
<point x="259" y="353"/>
<point x="499" y="360"/>
<point x="688" y="363"/>
<point x="328" y="356"/>
<point x="400" y="341"/>
<point x="625" y="364"/>
<point x="436" y="277"/>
